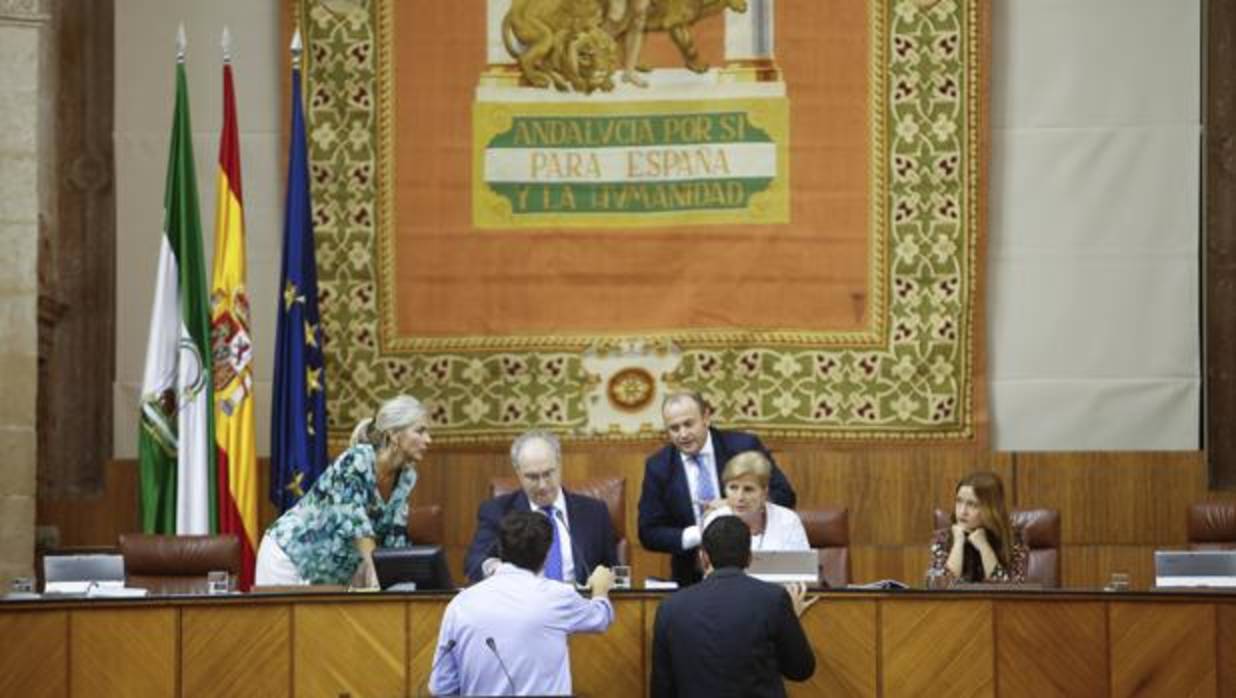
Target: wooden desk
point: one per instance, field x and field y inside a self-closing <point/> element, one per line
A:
<point x="867" y="644"/>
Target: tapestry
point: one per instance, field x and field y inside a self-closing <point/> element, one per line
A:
<point x="549" y="213"/>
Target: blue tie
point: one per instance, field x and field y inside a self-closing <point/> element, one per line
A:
<point x="553" y="563"/>
<point x="704" y="489"/>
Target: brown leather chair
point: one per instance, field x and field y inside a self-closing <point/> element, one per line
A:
<point x="1040" y="529"/>
<point x="611" y="490"/>
<point x="425" y="525"/>
<point x="177" y="564"/>
<point x="828" y="530"/>
<point x="1212" y="526"/>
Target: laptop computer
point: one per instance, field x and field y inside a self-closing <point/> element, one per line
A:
<point x="1194" y="568"/>
<point x="786" y="566"/>
<point x="78" y="574"/>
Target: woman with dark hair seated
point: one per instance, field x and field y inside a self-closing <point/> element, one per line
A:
<point x="981" y="545"/>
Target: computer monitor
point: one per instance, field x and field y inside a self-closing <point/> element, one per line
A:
<point x="785" y="566"/>
<point x="423" y="565"/>
<point x="1194" y="568"/>
<point x="75" y="574"/>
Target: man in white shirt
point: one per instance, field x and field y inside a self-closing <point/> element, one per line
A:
<point x="583" y="532"/>
<point x="682" y="481"/>
<point x="507" y="635"/>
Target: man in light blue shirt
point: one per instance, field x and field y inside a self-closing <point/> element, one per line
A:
<point x="507" y="635"/>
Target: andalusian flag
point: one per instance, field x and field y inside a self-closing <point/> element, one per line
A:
<point x="298" y="409"/>
<point x="176" y="441"/>
<point x="232" y="348"/>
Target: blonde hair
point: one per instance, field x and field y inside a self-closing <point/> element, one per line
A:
<point x="396" y="413"/>
<point x="989" y="490"/>
<point x="751" y="463"/>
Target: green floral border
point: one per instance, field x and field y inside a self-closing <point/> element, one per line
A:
<point x="918" y="384"/>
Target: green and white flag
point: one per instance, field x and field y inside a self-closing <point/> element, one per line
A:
<point x="176" y="443"/>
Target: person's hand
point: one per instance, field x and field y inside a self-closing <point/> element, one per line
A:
<point x="798" y="596"/>
<point x="959" y="534"/>
<point x="601" y="580"/>
<point x="489" y="566"/>
<point x="714" y="504"/>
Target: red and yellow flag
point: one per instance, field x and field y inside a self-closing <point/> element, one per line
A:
<point x="232" y="350"/>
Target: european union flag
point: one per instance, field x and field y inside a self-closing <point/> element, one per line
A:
<point x="298" y="415"/>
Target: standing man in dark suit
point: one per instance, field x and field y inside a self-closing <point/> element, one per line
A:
<point x="682" y="482"/>
<point x="731" y="634"/>
<point x="583" y="534"/>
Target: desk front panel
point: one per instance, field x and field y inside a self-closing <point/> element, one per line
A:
<point x="887" y="644"/>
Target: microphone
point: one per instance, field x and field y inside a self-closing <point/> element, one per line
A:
<point x="493" y="647"/>
<point x="446" y="649"/>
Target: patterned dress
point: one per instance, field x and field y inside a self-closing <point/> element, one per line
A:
<point x="319" y="534"/>
<point x="972" y="565"/>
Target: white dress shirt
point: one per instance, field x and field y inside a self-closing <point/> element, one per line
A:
<point x="527" y="619"/>
<point x="783" y="530"/>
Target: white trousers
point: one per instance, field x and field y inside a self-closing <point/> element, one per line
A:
<point x="274" y="567"/>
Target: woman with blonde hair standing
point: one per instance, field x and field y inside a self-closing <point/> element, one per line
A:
<point x="356" y="504"/>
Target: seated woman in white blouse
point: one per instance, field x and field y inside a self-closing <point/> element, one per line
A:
<point x="773" y="527"/>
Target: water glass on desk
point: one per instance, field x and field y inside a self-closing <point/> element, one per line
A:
<point x="218" y="582"/>
<point x="622" y="576"/>
<point x="1119" y="582"/>
<point x="21" y="586"/>
<point x="937" y="579"/>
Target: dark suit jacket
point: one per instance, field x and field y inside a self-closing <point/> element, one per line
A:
<point x="592" y="534"/>
<point x="665" y="506"/>
<point x="729" y="635"/>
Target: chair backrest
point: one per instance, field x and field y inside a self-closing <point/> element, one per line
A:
<point x="425" y="525"/>
<point x="1212" y="526"/>
<point x="177" y="564"/>
<point x="611" y="490"/>
<point x="828" y="530"/>
<point x="1040" y="529"/>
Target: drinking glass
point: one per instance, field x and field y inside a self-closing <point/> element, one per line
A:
<point x="937" y="579"/>
<point x="1119" y="582"/>
<point x="622" y="576"/>
<point x="217" y="582"/>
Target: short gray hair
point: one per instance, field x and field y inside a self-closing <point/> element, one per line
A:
<point x="527" y="437"/>
<point x="396" y="413"/>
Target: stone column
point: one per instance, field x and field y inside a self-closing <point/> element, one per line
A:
<point x="750" y="52"/>
<point x="501" y="70"/>
<point x="23" y="158"/>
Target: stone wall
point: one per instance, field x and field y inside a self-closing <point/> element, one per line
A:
<point x="24" y="97"/>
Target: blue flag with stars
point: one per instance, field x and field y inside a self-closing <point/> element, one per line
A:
<point x="298" y="412"/>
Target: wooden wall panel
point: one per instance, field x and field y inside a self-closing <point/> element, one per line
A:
<point x="611" y="664"/>
<point x="128" y="653"/>
<point x="1051" y="648"/>
<point x="1225" y="661"/>
<point x="1162" y="649"/>
<point x="1115" y="507"/>
<point x="34" y="661"/>
<point x="1114" y="498"/>
<point x="350" y="649"/>
<point x="423" y="623"/>
<point x="845" y="647"/>
<point x="937" y="649"/>
<point x="1092" y="566"/>
<point x="230" y="650"/>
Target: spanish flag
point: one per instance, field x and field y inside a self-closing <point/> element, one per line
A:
<point x="232" y="350"/>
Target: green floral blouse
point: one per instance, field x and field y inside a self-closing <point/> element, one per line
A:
<point x="319" y="533"/>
